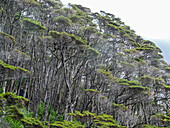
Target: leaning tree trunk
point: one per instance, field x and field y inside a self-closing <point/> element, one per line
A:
<point x="3" y="103"/>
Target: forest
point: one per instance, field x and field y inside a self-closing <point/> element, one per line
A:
<point x="64" y="66"/>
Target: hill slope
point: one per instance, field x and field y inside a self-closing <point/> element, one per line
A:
<point x="69" y="67"/>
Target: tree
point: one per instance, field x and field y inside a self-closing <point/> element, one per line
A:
<point x="78" y="68"/>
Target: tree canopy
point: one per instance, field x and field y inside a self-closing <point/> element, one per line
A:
<point x="63" y="66"/>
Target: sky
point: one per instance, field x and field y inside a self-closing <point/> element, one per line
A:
<point x="149" y="18"/>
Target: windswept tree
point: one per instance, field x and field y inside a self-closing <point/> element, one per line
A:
<point x="65" y="66"/>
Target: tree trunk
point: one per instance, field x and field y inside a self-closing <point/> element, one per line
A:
<point x="3" y="103"/>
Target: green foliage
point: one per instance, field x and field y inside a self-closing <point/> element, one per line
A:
<point x="132" y="84"/>
<point x="111" y="26"/>
<point x="76" y="113"/>
<point x="108" y="74"/>
<point x="145" y="47"/>
<point x="119" y="54"/>
<point x="41" y="108"/>
<point x="146" y="79"/>
<point x="1" y="10"/>
<point x="160" y="56"/>
<point x="89" y="114"/>
<point x="72" y="58"/>
<point x="148" y="48"/>
<point x="91" y="90"/>
<point x="99" y="121"/>
<point x="55" y="34"/>
<point x="17" y="116"/>
<point x="167" y="69"/>
<point x="32" y="2"/>
<point x="51" y="2"/>
<point x="127" y="82"/>
<point x="84" y="9"/>
<point x="127" y="36"/>
<point x="164" y="118"/>
<point x="148" y="42"/>
<point x="11" y="67"/>
<point x="12" y="99"/>
<point x="18" y="51"/>
<point x="105" y="72"/>
<point x="121" y="106"/>
<point x="114" y="23"/>
<point x="103" y="97"/>
<point x="123" y="82"/>
<point x="126" y="64"/>
<point x="58" y="5"/>
<point x="62" y="20"/>
<point x="2" y="96"/>
<point x="1" y="91"/>
<point x="66" y="124"/>
<point x="106" y="121"/>
<point x="138" y="87"/>
<point x="139" y="59"/>
<point x="53" y="115"/>
<point x="13" y="122"/>
<point x="60" y="118"/>
<point x="14" y="112"/>
<point x="33" y="24"/>
<point x="91" y="51"/>
<point x="11" y="96"/>
<point x="108" y="35"/>
<point x="166" y="86"/>
<point x="133" y="43"/>
<point x="9" y="36"/>
<point x="103" y="66"/>
<point x="32" y="122"/>
<point x="130" y="51"/>
<point x="90" y="30"/>
<point x="81" y="115"/>
<point x="159" y="80"/>
<point x="75" y="18"/>
<point x="77" y="39"/>
<point x="149" y="126"/>
<point x="96" y="52"/>
<point x="79" y="9"/>
<point x="26" y="113"/>
<point x="163" y="62"/>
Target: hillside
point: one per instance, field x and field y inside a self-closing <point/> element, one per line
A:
<point x="67" y="67"/>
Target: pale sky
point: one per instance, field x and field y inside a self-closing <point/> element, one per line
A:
<point x="149" y="18"/>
